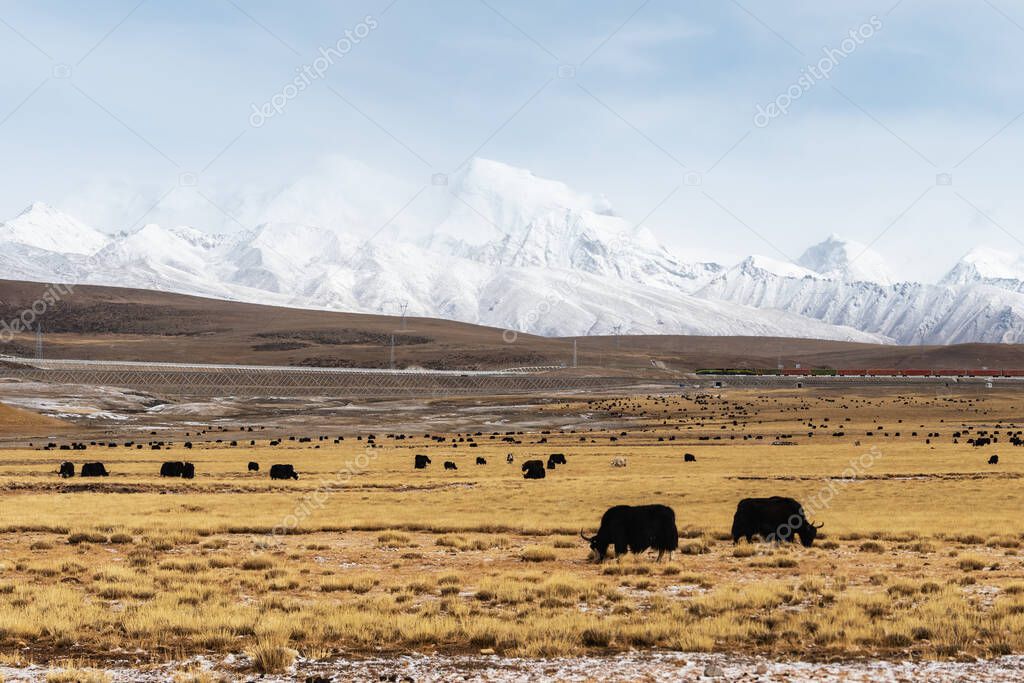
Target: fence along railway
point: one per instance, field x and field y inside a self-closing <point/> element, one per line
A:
<point x="199" y="380"/>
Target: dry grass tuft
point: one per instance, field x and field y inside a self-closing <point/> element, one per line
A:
<point x="271" y="655"/>
<point x="70" y="672"/>
<point x="538" y="554"/>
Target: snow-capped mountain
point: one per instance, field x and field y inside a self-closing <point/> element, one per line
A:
<point x="520" y="252"/>
<point x="908" y="312"/>
<point x="988" y="266"/>
<point x="535" y="222"/>
<point x="840" y="259"/>
<point x="43" y="227"/>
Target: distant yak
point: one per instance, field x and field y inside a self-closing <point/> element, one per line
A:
<point x="283" y="472"/>
<point x="533" y="469"/>
<point x="94" y="469"/>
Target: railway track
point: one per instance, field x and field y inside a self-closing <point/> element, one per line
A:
<point x="201" y="380"/>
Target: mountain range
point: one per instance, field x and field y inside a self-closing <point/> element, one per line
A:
<point x="523" y="253"/>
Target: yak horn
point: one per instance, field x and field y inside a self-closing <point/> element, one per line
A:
<point x="818" y="526"/>
<point x="588" y="540"/>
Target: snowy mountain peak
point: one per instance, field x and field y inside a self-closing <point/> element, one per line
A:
<point x="993" y="263"/>
<point x="765" y="264"/>
<point x="840" y="259"/>
<point x="41" y="226"/>
<point x="989" y="266"/>
<point x="491" y="198"/>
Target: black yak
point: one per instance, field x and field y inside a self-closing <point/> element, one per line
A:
<point x="773" y="519"/>
<point x="94" y="469"/>
<point x="283" y="472"/>
<point x="635" y="528"/>
<point x="533" y="469"/>
<point x="172" y="469"/>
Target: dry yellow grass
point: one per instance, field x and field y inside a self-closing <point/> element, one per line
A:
<point x="919" y="554"/>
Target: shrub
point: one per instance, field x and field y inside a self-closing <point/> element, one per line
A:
<point x="537" y="554"/>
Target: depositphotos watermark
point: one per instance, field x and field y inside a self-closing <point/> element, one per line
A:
<point x="316" y="499"/>
<point x="25" y="320"/>
<point x="813" y="73"/>
<point x="559" y="293"/>
<point x="311" y="72"/>
<point x="857" y="469"/>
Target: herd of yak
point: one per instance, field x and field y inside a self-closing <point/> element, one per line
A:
<point x="637" y="528"/>
<point x="532" y="469"/>
<point x="626" y="528"/>
<point x="185" y="470"/>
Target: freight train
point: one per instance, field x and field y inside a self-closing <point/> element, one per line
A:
<point x="862" y="372"/>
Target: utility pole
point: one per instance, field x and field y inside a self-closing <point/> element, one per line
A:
<point x="404" y="306"/>
<point x="39" y="341"/>
<point x="574" y="357"/>
<point x="392" y="354"/>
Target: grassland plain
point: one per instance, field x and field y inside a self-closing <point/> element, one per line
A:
<point x="364" y="555"/>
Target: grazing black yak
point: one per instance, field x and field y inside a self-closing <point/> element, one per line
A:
<point x="555" y="459"/>
<point x="635" y="528"/>
<point x="533" y="469"/>
<point x="283" y="472"/>
<point x="773" y="519"/>
<point x="172" y="469"/>
<point x="94" y="469"/>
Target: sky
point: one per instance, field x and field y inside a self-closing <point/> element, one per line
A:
<point x="725" y="128"/>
